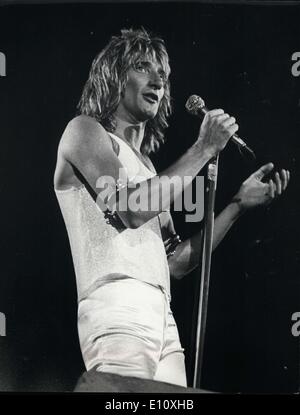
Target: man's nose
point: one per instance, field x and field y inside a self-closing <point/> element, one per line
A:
<point x="155" y="80"/>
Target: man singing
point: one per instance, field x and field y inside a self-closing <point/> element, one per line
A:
<point x="123" y="257"/>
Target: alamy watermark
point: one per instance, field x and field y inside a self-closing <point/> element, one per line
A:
<point x="147" y="194"/>
<point x="296" y="66"/>
<point x="2" y="64"/>
<point x="2" y="324"/>
<point x="295" y="329"/>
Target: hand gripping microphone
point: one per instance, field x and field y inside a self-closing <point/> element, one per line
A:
<point x="196" y="106"/>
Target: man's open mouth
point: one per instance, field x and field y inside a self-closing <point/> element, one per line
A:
<point x="152" y="98"/>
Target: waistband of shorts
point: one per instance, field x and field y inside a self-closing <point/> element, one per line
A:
<point x="103" y="280"/>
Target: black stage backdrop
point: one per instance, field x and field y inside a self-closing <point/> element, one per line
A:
<point x="235" y="57"/>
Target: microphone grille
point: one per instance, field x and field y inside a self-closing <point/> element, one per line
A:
<point x="194" y="104"/>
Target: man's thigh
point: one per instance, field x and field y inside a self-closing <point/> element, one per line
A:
<point x="171" y="369"/>
<point x="171" y="366"/>
<point x="121" y="328"/>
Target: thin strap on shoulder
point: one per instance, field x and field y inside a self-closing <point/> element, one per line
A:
<point x="115" y="145"/>
<point x="150" y="164"/>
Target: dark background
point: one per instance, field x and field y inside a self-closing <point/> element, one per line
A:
<point x="235" y="57"/>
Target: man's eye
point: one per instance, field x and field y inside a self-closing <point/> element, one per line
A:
<point x="163" y="76"/>
<point x="141" y="67"/>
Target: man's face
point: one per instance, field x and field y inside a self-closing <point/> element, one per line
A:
<point x="143" y="92"/>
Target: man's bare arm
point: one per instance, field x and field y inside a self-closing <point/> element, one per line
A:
<point x="87" y="147"/>
<point x="252" y="193"/>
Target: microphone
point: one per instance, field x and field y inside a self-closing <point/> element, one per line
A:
<point x="196" y="106"/>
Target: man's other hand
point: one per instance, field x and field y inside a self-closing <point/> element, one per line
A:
<point x="254" y="192"/>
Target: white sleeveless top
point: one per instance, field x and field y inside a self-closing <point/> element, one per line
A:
<point x="99" y="249"/>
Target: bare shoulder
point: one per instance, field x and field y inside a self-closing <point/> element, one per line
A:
<point x="82" y="145"/>
<point x="84" y="123"/>
<point x="83" y="133"/>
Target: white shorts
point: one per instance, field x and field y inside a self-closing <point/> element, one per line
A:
<point x="126" y="327"/>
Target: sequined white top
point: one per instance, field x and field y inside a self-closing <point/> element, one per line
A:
<point x="101" y="250"/>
